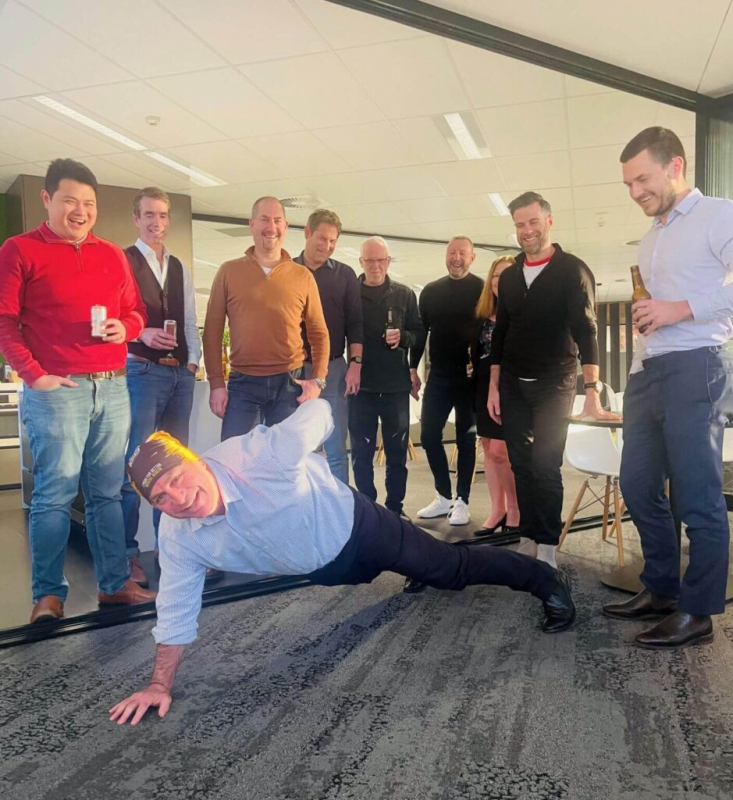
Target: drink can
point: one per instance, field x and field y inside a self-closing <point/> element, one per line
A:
<point x="170" y="326"/>
<point x="99" y="318"/>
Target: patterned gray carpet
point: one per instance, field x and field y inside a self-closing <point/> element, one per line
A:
<point x="368" y="693"/>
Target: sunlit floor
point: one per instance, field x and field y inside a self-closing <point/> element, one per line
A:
<point x="364" y="692"/>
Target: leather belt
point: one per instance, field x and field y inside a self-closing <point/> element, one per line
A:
<point x="100" y="376"/>
<point x="166" y="362"/>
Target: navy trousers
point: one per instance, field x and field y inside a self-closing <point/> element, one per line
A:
<point x="381" y="541"/>
<point x="675" y="411"/>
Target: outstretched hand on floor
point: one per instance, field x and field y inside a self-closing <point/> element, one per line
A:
<point x="137" y="704"/>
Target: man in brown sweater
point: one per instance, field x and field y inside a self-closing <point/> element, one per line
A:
<point x="265" y="296"/>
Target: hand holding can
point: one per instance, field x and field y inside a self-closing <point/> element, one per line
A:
<point x="99" y="318"/>
<point x="170" y="326"/>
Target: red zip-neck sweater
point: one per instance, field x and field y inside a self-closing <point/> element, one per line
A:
<point x="47" y="289"/>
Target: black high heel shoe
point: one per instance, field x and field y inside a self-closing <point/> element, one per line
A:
<point x="501" y="524"/>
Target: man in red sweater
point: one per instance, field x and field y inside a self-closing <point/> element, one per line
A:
<point x="75" y="403"/>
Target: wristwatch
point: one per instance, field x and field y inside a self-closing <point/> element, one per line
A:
<point x="355" y="360"/>
<point x="597" y="385"/>
<point x="320" y="383"/>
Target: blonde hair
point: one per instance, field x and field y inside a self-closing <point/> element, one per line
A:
<point x="486" y="306"/>
<point x="172" y="447"/>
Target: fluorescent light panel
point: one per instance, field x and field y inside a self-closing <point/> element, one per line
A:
<point x="60" y="108"/>
<point x="463" y="135"/>
<point x="193" y="174"/>
<point x="499" y="204"/>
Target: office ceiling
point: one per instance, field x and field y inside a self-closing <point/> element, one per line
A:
<point x="308" y="100"/>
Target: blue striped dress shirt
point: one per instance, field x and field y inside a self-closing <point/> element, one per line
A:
<point x="690" y="257"/>
<point x="285" y="514"/>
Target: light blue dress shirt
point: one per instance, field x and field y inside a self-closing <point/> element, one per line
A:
<point x="285" y="514"/>
<point x="690" y="257"/>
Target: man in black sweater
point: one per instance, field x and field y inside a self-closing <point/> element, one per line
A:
<point x="448" y="311"/>
<point x="391" y="327"/>
<point x="545" y="319"/>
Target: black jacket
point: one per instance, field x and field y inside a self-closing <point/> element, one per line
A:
<point x="540" y="331"/>
<point x="383" y="369"/>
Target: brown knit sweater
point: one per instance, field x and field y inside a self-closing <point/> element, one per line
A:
<point x="265" y="314"/>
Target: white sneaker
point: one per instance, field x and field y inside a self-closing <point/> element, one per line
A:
<point x="460" y="514"/>
<point x="440" y="507"/>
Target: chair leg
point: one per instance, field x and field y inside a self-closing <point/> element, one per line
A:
<point x="380" y="455"/>
<point x="453" y="456"/>
<point x="617" y="522"/>
<point x="479" y="446"/>
<point x="573" y="512"/>
<point x="411" y="450"/>
<point x="606" y="504"/>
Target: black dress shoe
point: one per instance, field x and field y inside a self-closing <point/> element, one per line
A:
<point x="644" y="605"/>
<point x="493" y="529"/>
<point x="213" y="575"/>
<point x="413" y="586"/>
<point x="559" y="608"/>
<point x="676" y="630"/>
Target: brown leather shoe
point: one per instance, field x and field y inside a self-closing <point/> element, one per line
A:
<point x="48" y="608"/>
<point x="644" y="605"/>
<point x="129" y="595"/>
<point x="213" y="575"/>
<point x="676" y="630"/>
<point x="137" y="573"/>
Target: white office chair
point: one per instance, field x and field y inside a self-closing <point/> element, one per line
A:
<point x="594" y="452"/>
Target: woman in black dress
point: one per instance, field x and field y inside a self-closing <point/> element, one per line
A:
<point x="504" y="514"/>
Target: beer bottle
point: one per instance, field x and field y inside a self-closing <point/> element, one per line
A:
<point x="469" y="364"/>
<point x="388" y="326"/>
<point x="640" y="291"/>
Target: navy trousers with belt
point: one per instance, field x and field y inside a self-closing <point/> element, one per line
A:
<point x="675" y="412"/>
<point x="381" y="541"/>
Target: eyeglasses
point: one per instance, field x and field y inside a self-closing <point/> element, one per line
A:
<point x="373" y="262"/>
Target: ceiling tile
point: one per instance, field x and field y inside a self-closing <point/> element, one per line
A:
<point x="6" y="159"/>
<point x="228" y="101"/>
<point x="375" y="145"/>
<point x="717" y="79"/>
<point x="297" y="154"/>
<point x="601" y="217"/>
<point x="495" y="80"/>
<point x="371" y="215"/>
<point x="593" y="165"/>
<point x="129" y="34"/>
<point x="576" y="86"/>
<point x="299" y="86"/>
<point x="150" y="171"/>
<point x="25" y="144"/>
<point x="112" y="175"/>
<point x="468" y="177"/>
<point x="522" y="173"/>
<point x="43" y="120"/>
<point x="10" y="173"/>
<point x="425" y="139"/>
<point x="345" y="27"/>
<point x="129" y="104"/>
<point x="228" y="161"/>
<point x="614" y="118"/>
<point x="14" y="85"/>
<point x="377" y="186"/>
<point x="432" y="209"/>
<point x="604" y="195"/>
<point x="238" y="199"/>
<point x="411" y="78"/>
<point x="39" y="51"/>
<point x="247" y="32"/>
<point x="527" y="128"/>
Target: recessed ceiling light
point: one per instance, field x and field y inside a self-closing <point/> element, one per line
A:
<point x="195" y="175"/>
<point x="60" y="108"/>
<point x="463" y="134"/>
<point x="499" y="204"/>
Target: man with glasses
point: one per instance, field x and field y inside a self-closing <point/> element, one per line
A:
<point x="392" y="327"/>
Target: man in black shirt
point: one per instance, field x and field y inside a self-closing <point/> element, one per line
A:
<point x="338" y="288"/>
<point x="448" y="311"/>
<point x="386" y="378"/>
<point x="545" y="318"/>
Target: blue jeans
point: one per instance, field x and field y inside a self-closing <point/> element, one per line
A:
<point x="77" y="434"/>
<point x="258" y="399"/>
<point x="335" y="445"/>
<point x="674" y="415"/>
<point x="160" y="400"/>
<point x="445" y="391"/>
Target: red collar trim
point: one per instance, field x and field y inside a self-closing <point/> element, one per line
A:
<point x="542" y="263"/>
<point x="50" y="237"/>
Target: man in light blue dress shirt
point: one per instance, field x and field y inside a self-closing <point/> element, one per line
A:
<point x="679" y="395"/>
<point x="264" y="504"/>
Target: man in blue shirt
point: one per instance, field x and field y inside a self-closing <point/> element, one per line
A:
<point x="264" y="504"/>
<point x="679" y="395"/>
